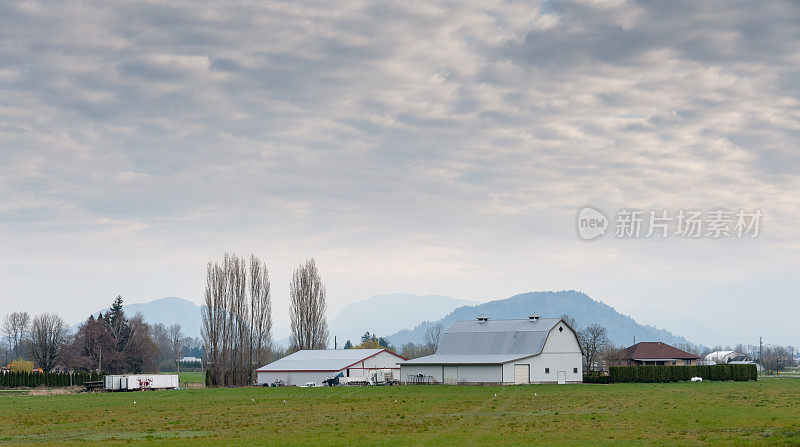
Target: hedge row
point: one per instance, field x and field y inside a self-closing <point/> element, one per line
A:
<point x="596" y="378"/>
<point x="655" y="373"/>
<point x="16" y="379"/>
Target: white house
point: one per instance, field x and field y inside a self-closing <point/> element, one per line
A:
<point x="483" y="351"/>
<point x="317" y="365"/>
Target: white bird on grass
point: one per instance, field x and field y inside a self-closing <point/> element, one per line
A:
<point x="284" y="401"/>
<point x="134" y="402"/>
<point x="253" y="400"/>
<point x="535" y="394"/>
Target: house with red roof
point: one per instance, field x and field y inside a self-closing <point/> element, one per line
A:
<point x="653" y="353"/>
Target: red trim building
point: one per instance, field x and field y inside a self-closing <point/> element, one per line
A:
<point x="317" y="365"/>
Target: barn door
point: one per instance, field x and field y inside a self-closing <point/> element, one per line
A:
<point x="522" y="374"/>
<point x="450" y="375"/>
<point x="562" y="377"/>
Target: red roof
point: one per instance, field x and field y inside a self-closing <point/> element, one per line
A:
<point x="653" y="350"/>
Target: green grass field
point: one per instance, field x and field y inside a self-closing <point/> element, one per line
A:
<point x="192" y="377"/>
<point x="683" y="413"/>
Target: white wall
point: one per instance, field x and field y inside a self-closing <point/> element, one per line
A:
<point x="456" y="373"/>
<point x="292" y="378"/>
<point x="480" y="373"/>
<point x="561" y="352"/>
<point x="426" y="370"/>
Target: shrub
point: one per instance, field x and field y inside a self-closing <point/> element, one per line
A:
<point x="658" y="373"/>
<point x="593" y="377"/>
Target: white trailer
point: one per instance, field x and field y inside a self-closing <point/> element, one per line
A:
<point x="130" y="382"/>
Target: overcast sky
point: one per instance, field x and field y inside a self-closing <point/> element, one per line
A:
<point x="408" y="146"/>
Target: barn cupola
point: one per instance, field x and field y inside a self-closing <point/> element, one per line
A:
<point x="533" y="317"/>
<point x="483" y="319"/>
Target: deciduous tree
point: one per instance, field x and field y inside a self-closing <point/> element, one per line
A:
<point x="307" y="308"/>
<point x="48" y="335"/>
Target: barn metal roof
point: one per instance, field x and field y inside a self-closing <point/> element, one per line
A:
<point x="465" y="359"/>
<point x="322" y="359"/>
<point x="490" y="342"/>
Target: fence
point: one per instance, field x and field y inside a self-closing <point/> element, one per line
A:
<point x="16" y="379"/>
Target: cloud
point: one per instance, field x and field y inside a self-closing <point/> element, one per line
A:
<point x="446" y="145"/>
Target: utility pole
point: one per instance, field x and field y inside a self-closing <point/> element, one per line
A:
<point x="100" y="361"/>
<point x="760" y="351"/>
<point x="178" y="358"/>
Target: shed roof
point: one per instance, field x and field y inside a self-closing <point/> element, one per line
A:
<point x="323" y="359"/>
<point x="653" y="350"/>
<point x="490" y="342"/>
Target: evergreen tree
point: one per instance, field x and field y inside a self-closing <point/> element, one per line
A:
<point x="116" y="312"/>
<point x="348" y="345"/>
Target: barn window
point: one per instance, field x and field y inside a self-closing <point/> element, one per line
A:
<point x="575" y="370"/>
<point x="561" y="329"/>
<point x="547" y="370"/>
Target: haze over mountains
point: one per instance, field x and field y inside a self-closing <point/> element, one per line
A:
<point x="387" y="314"/>
<point x="405" y="317"/>
<point x="585" y="311"/>
<point x="168" y="310"/>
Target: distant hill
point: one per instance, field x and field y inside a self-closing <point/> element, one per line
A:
<point x="585" y="311"/>
<point x="386" y="314"/>
<point x="169" y="311"/>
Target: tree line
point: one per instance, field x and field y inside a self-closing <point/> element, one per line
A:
<point x="236" y="329"/>
<point x="109" y="342"/>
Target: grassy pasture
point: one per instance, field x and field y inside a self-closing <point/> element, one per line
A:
<point x="764" y="412"/>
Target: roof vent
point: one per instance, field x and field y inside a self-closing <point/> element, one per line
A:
<point x="483" y="319"/>
<point x="533" y="317"/>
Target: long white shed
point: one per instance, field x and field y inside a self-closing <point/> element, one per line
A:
<point x="130" y="382"/>
<point x="316" y="365"/>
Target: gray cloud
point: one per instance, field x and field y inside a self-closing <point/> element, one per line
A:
<point x="444" y="146"/>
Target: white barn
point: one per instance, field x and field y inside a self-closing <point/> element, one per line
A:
<point x="536" y="350"/>
<point x="317" y="365"/>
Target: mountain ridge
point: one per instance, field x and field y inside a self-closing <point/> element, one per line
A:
<point x="621" y="328"/>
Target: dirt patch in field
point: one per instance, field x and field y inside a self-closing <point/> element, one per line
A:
<point x="53" y="391"/>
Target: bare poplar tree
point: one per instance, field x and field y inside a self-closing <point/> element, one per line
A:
<point x="261" y="313"/>
<point x="237" y="319"/>
<point x="15" y="327"/>
<point x="307" y="309"/>
<point x="47" y="338"/>
<point x="213" y="320"/>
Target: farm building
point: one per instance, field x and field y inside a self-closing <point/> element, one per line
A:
<point x="653" y="353"/>
<point x="318" y="365"/>
<point x="726" y="357"/>
<point x="483" y="351"/>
